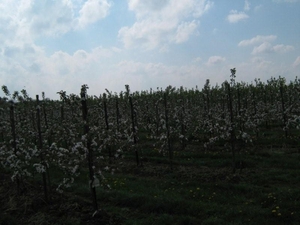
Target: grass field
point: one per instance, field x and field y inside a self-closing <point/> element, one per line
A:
<point x="201" y="189"/>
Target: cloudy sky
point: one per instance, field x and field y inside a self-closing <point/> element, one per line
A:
<point x="53" y="45"/>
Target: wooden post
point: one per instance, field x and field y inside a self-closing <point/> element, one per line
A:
<point x="232" y="131"/>
<point x="89" y="150"/>
<point x="134" y="132"/>
<point x="40" y="144"/>
<point x="14" y="142"/>
<point x="168" y="132"/>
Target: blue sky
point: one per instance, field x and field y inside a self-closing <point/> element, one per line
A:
<point x="53" y="45"/>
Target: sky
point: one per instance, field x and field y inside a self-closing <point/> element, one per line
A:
<point x="53" y="45"/>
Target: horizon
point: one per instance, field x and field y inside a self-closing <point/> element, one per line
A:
<point x="49" y="46"/>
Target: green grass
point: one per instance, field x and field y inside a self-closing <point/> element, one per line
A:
<point x="201" y="189"/>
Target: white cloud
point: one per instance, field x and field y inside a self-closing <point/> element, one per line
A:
<point x="159" y="23"/>
<point x="247" y="5"/>
<point x="235" y="16"/>
<point x="24" y="21"/>
<point x="266" y="47"/>
<point x="56" y="72"/>
<point x="297" y="62"/>
<point x="138" y="74"/>
<point x="283" y="48"/>
<point x="184" y="30"/>
<point x="147" y="33"/>
<point x="213" y="60"/>
<point x="92" y="11"/>
<point x="260" y="63"/>
<point x="45" y="17"/>
<point x="141" y="7"/>
<point x="258" y="39"/>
